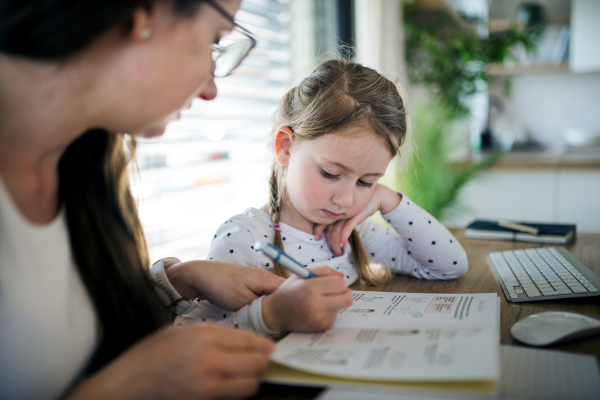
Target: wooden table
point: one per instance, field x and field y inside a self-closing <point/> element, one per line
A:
<point x="480" y="279"/>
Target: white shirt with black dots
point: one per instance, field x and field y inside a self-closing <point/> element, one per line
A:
<point x="418" y="246"/>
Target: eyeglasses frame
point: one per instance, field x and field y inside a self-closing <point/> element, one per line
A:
<point x="220" y="49"/>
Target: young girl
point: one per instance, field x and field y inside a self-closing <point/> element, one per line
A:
<point x="335" y="136"/>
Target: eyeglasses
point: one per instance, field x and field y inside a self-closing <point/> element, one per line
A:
<point x="235" y="47"/>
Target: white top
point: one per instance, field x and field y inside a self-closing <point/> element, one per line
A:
<point x="418" y="246"/>
<point x="48" y="326"/>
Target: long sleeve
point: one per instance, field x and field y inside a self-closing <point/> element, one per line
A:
<point x="419" y="245"/>
<point x="234" y="243"/>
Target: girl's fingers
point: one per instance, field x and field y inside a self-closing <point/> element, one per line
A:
<point x="338" y="301"/>
<point x="327" y="285"/>
<point x="334" y="237"/>
<point x="318" y="231"/>
<point x="349" y="226"/>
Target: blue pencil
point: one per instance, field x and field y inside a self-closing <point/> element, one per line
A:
<point x="279" y="256"/>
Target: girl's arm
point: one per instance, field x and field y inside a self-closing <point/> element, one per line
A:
<point x="419" y="245"/>
<point x="233" y="243"/>
<point x="297" y="305"/>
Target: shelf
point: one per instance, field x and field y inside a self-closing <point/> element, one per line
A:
<point x="504" y="70"/>
<point x="499" y="25"/>
<point x="434" y="7"/>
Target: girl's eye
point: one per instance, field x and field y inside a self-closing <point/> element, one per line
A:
<point x="328" y="175"/>
<point x="365" y="184"/>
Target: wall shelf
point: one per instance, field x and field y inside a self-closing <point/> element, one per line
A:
<point x="499" y="25"/>
<point x="519" y="69"/>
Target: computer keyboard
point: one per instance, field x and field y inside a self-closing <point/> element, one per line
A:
<point x="546" y="273"/>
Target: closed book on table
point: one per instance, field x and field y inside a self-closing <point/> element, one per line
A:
<point x="547" y="233"/>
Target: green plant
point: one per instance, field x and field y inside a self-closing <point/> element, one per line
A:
<point x="430" y="175"/>
<point x="452" y="61"/>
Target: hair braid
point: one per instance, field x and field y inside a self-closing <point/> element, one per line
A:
<point x="361" y="263"/>
<point x="275" y="199"/>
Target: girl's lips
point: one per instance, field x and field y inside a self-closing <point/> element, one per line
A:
<point x="331" y="214"/>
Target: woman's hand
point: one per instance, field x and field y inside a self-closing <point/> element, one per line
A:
<point x="383" y="199"/>
<point x="188" y="362"/>
<point x="225" y="285"/>
<point x="307" y="305"/>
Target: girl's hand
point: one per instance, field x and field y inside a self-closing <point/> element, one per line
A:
<point x="187" y="362"/>
<point x="307" y="305"/>
<point x="383" y="199"/>
<point x="225" y="285"/>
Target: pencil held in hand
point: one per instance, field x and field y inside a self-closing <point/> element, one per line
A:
<point x="279" y="256"/>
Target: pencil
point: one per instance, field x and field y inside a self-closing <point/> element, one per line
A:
<point x="518" y="227"/>
<point x="287" y="262"/>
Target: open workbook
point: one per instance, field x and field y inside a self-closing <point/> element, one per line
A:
<point x="408" y="337"/>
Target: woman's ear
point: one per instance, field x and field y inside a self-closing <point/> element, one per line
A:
<point x="141" y="25"/>
<point x="284" y="137"/>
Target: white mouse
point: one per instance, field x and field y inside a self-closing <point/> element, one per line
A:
<point x="554" y="327"/>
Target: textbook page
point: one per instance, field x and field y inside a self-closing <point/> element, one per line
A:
<point x="402" y="336"/>
<point x="419" y="310"/>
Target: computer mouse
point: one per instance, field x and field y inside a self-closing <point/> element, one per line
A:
<point x="554" y="327"/>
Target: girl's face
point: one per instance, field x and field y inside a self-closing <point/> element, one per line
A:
<point x="157" y="77"/>
<point x="333" y="177"/>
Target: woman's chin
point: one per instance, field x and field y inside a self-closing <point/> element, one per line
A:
<point x="150" y="133"/>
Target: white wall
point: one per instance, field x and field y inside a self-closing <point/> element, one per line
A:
<point x="550" y="103"/>
<point x="564" y="196"/>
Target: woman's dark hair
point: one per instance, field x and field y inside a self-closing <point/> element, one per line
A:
<point x="104" y="228"/>
<point x="55" y="29"/>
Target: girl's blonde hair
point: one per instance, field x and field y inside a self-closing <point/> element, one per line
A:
<point x="338" y="94"/>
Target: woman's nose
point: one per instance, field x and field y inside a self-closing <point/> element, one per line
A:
<point x="210" y="91"/>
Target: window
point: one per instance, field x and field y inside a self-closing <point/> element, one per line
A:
<point x="214" y="162"/>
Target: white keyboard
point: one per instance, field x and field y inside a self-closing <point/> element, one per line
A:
<point x="546" y="273"/>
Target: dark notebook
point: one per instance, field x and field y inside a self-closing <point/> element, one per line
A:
<point x="548" y="233"/>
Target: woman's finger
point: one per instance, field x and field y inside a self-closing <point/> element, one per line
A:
<point x="239" y="363"/>
<point x="231" y="339"/>
<point x="235" y="387"/>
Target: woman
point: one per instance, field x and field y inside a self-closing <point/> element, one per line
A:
<point x="79" y="316"/>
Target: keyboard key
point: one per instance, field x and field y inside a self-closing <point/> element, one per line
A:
<point x="532" y="292"/>
<point x="578" y="289"/>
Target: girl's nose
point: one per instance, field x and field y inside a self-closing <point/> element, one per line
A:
<point x="210" y="91"/>
<point x="344" y="197"/>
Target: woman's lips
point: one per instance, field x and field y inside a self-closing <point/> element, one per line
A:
<point x="331" y="214"/>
